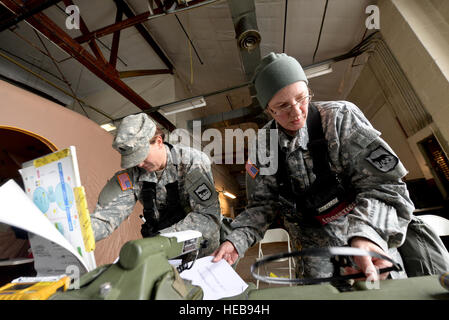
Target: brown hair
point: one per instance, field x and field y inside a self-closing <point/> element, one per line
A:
<point x="158" y="133"/>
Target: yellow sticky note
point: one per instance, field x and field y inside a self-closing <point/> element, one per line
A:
<point x="84" y="216"/>
<point x="51" y="158"/>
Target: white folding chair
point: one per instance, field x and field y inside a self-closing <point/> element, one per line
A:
<point x="439" y="224"/>
<point x="276" y="235"/>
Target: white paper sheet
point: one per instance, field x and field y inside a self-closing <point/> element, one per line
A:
<point x="16" y="209"/>
<point x="182" y="236"/>
<point x="217" y="279"/>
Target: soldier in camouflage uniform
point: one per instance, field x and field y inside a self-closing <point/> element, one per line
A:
<point x="375" y="219"/>
<point x="174" y="184"/>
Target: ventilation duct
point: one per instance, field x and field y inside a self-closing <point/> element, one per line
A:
<point x="247" y="34"/>
<point x="248" y="37"/>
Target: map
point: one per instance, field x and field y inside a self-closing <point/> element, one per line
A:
<point x="53" y="184"/>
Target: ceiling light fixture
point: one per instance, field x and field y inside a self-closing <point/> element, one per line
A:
<point x="108" y="127"/>
<point x="318" y="70"/>
<point x="229" y="195"/>
<point x="183" y="105"/>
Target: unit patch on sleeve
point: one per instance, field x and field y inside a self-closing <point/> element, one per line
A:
<point x="200" y="188"/>
<point x="124" y="181"/>
<point x="203" y="192"/>
<point x="251" y="169"/>
<point x="382" y="159"/>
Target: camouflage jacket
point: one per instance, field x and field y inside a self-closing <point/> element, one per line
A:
<point x="191" y="168"/>
<point x="383" y="207"/>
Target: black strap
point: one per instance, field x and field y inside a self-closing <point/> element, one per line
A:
<point x="173" y="153"/>
<point x="318" y="149"/>
<point x="314" y="127"/>
<point x="317" y="143"/>
<point x="150" y="226"/>
<point x="171" y="213"/>
<point x="328" y="190"/>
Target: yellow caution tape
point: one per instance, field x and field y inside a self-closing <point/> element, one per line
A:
<point x="86" y="227"/>
<point x="51" y="158"/>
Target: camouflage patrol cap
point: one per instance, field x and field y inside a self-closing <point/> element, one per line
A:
<point x="274" y="72"/>
<point x="132" y="140"/>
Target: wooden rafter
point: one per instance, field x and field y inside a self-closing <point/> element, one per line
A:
<point x="140" y="73"/>
<point x="145" y="34"/>
<point x="133" y="20"/>
<point x="101" y="69"/>
<point x="31" y="7"/>
<point x="130" y="22"/>
<point x="116" y="39"/>
<point x="84" y="30"/>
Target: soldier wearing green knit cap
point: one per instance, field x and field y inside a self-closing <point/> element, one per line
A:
<point x="338" y="183"/>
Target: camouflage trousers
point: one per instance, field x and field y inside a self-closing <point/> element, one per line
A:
<point x="304" y="238"/>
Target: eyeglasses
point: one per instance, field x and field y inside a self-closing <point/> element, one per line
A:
<point x="286" y="108"/>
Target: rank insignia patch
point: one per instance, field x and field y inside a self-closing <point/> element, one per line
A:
<point x="382" y="159"/>
<point x="124" y="181"/>
<point x="251" y="169"/>
<point x="203" y="192"/>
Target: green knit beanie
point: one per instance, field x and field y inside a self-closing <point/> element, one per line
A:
<point x="274" y="72"/>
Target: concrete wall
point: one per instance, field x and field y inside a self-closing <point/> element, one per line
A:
<point x="417" y="33"/>
<point x="96" y="159"/>
<point x="368" y="95"/>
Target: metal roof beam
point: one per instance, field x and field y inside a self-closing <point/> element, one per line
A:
<point x="132" y="21"/>
<point x="102" y="70"/>
<point x="84" y="29"/>
<point x="141" y="73"/>
<point x="28" y="10"/>
<point x="145" y="34"/>
<point x="116" y="39"/>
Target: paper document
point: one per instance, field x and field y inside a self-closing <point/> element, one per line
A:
<point x="18" y="210"/>
<point x="217" y="279"/>
<point x="53" y="184"/>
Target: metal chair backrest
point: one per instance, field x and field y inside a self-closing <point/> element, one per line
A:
<point x="439" y="224"/>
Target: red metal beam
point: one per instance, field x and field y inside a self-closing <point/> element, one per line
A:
<point x="54" y="33"/>
<point x="140" y="73"/>
<point x="132" y="21"/>
<point x="113" y="28"/>
<point x="159" y="4"/>
<point x="30" y="8"/>
<point x="84" y="30"/>
<point x="145" y="34"/>
<point x="116" y="39"/>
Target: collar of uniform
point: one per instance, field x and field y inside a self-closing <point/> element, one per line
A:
<point x="288" y="143"/>
<point x="147" y="176"/>
<point x="170" y="173"/>
<point x="168" y="176"/>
